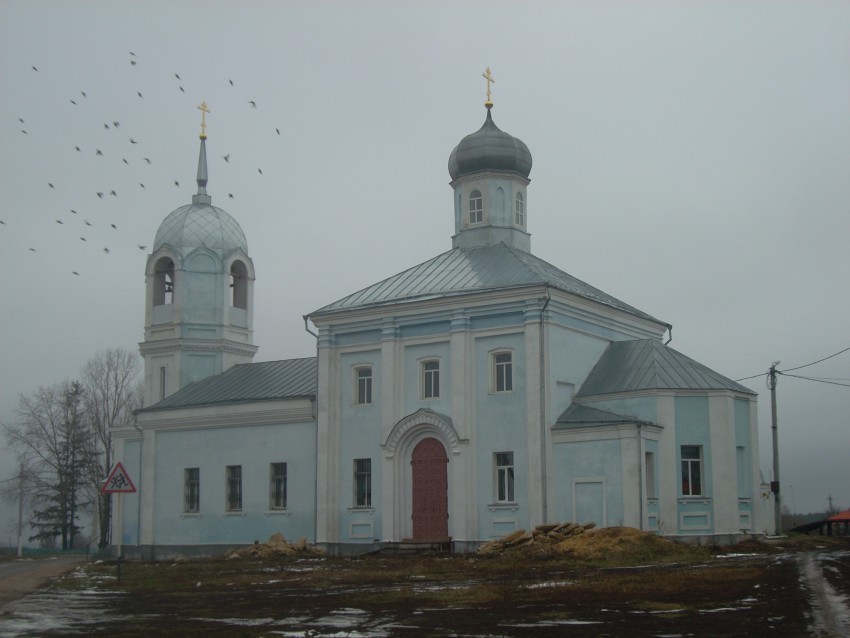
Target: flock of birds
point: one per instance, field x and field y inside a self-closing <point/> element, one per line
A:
<point x="113" y="125"/>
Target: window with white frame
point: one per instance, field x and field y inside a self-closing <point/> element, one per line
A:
<point x="277" y="486"/>
<point x="233" y="488"/>
<point x="476" y="207"/>
<point x="504" y="477"/>
<point x="363" y="483"/>
<point x="430" y="379"/>
<point x="519" y="210"/>
<point x="503" y="374"/>
<point x="691" y="470"/>
<point x="364" y="385"/>
<point x="191" y="490"/>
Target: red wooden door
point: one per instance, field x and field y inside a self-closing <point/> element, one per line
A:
<point x="430" y="491"/>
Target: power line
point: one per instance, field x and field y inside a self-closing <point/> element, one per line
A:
<point x="814" y="362"/>
<point x="796" y="376"/>
<point x="761" y="374"/>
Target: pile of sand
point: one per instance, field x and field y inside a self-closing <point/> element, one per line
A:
<point x="582" y="541"/>
<point x="275" y="547"/>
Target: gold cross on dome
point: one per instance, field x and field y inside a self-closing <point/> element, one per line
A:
<point x="489" y="77"/>
<point x="204" y="109"/>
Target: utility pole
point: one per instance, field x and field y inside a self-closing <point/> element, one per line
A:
<point x="21" y="513"/>
<point x="774" y="486"/>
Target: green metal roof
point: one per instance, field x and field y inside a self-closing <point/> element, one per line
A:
<point x="468" y="270"/>
<point x="578" y="415"/>
<point x="647" y="364"/>
<point x="248" y="382"/>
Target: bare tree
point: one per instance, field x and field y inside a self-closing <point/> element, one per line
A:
<point x="51" y="435"/>
<point x="113" y="392"/>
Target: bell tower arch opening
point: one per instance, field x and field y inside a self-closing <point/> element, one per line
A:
<point x="163" y="287"/>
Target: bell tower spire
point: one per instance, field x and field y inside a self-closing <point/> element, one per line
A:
<point x="202" y="197"/>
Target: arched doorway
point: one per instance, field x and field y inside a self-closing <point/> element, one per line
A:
<point x="430" y="491"/>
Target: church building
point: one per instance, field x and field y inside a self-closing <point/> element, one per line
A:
<point x="480" y="392"/>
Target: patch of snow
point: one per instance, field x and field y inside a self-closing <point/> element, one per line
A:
<point x="552" y="623"/>
<point x="239" y="622"/>
<point x="557" y="583"/>
<point x="719" y="609"/>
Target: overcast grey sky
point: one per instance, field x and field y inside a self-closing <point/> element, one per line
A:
<point x="690" y="158"/>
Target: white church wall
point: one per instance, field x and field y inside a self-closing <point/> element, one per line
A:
<point x="253" y="448"/>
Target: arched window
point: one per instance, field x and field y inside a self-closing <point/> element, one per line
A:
<point x="163" y="286"/>
<point x="239" y="285"/>
<point x="476" y="207"/>
<point x="519" y="210"/>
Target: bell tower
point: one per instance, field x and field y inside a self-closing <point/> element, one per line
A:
<point x="199" y="294"/>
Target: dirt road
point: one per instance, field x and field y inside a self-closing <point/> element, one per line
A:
<point x="24" y="576"/>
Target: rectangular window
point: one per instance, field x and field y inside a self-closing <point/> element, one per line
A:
<point x="476" y="207"/>
<point x="650" y="475"/>
<point x="431" y="379"/>
<point x="505" y="477"/>
<point x="364" y="386"/>
<point x="503" y="372"/>
<point x="692" y="470"/>
<point x="233" y="488"/>
<point x="191" y="490"/>
<point x="161" y="383"/>
<point x="277" y="486"/>
<point x="362" y="482"/>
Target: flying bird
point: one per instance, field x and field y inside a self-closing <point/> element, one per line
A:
<point x="252" y="103"/>
<point x="114" y="226"/>
<point x="133" y="54"/>
<point x="132" y="63"/>
<point x="34" y="69"/>
<point x="24" y="132"/>
<point x="59" y="221"/>
<point x="125" y="161"/>
<point x="83" y="93"/>
<point x="113" y="193"/>
<point x="147" y="160"/>
<point x="32" y="249"/>
<point x="260" y="170"/>
<point x="88" y="223"/>
<point x="98" y="152"/>
<point x="226" y="157"/>
<point x="51" y="185"/>
<point x="76" y="273"/>
<point x="82" y="238"/>
<point x="176" y="183"/>
<point x="106" y="250"/>
<point x="177" y="76"/>
<point x="278" y="131"/>
<point x="21" y="120"/>
<point x="100" y="195"/>
<point x="230" y="195"/>
<point x="2" y="222"/>
<point x="181" y="90"/>
<point x="231" y="82"/>
<point x="116" y="124"/>
<point x="73" y="211"/>
<point x="132" y="141"/>
<point x="105" y="125"/>
<point x="139" y="93"/>
<point x="142" y="247"/>
<point x="74" y="103"/>
<point x="78" y="149"/>
<point x="142" y="185"/>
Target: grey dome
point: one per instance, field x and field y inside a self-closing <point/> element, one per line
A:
<point x="490" y="149"/>
<point x="196" y="225"/>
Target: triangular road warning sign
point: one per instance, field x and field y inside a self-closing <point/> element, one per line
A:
<point x="118" y="481"/>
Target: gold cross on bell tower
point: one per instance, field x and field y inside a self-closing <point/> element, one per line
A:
<point x="489" y="77"/>
<point x="204" y="109"/>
